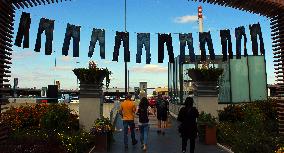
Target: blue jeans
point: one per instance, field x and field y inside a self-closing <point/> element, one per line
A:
<point x="144" y="130"/>
<point x="143" y="38"/>
<point x="131" y="124"/>
<point x="72" y="31"/>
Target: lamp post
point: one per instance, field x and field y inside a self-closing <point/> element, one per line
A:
<point x="125" y="66"/>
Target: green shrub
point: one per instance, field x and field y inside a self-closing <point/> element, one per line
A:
<point x="231" y="113"/>
<point x="255" y="131"/>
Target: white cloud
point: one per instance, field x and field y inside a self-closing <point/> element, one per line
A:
<point x="62" y="68"/>
<point x="186" y="19"/>
<point x="66" y="58"/>
<point x="149" y="69"/>
<point x="22" y="54"/>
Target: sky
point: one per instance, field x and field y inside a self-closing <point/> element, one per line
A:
<point x="153" y="16"/>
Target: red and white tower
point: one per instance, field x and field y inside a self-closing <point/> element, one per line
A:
<point x="200" y="18"/>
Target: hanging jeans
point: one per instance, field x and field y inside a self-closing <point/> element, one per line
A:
<point x="186" y="39"/>
<point x="97" y="35"/>
<point x="47" y="26"/>
<point x="165" y="38"/>
<point x="72" y="31"/>
<point x="205" y="37"/>
<point x="143" y="38"/>
<point x="23" y="30"/>
<point x="255" y="30"/>
<point x="239" y="33"/>
<point x="121" y="36"/>
<point x="226" y="42"/>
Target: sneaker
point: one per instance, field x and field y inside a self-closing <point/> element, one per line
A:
<point x="144" y="148"/>
<point x="134" y="142"/>
<point x="183" y="151"/>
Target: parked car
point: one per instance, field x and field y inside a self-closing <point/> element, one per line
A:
<point x="75" y="99"/>
<point x="109" y="99"/>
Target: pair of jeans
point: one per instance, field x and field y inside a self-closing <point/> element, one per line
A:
<point x="226" y="42"/>
<point x="24" y="30"/>
<point x="186" y="39"/>
<point x="72" y="31"/>
<point x="192" y="144"/>
<point x="131" y="125"/>
<point x="255" y="30"/>
<point x="165" y="38"/>
<point x="143" y="39"/>
<point x="97" y="35"/>
<point x="121" y="36"/>
<point x="239" y="33"/>
<point x="47" y="26"/>
<point x="205" y="37"/>
<point x="144" y="130"/>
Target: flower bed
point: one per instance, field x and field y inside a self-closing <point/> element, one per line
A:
<point x="44" y="128"/>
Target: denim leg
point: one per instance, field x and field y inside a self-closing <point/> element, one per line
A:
<point x="102" y="45"/>
<point x="224" y="38"/>
<point x="160" y="48"/>
<point x="182" y="42"/>
<point x="92" y="43"/>
<point x="49" y="28"/>
<point x="23" y="30"/>
<point x="116" y="46"/>
<point x="170" y="49"/>
<point x="76" y="40"/>
<point x="139" y="48"/>
<point x="148" y="52"/>
<point x="202" y="45"/>
<point x="210" y="47"/>
<point x="191" y="49"/>
<point x="141" y="128"/>
<point x="39" y="32"/>
<point x="132" y="128"/>
<point x="125" y="39"/>
<point x="125" y="132"/>
<point x="146" y="132"/>
<point x="67" y="39"/>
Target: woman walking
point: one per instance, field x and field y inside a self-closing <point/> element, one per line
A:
<point x="143" y="110"/>
<point x="188" y="127"/>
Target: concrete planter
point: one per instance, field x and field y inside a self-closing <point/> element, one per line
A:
<point x="205" y="89"/>
<point x="90" y="104"/>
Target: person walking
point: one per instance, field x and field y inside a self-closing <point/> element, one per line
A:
<point x="143" y="113"/>
<point x="127" y="111"/>
<point x="162" y="108"/>
<point x="188" y="127"/>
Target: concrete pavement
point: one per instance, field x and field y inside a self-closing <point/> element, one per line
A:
<point x="169" y="143"/>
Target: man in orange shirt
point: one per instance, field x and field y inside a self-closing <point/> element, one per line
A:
<point x="127" y="111"/>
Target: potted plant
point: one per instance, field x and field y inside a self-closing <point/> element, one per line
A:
<point x="103" y="132"/>
<point x="93" y="75"/>
<point x="205" y="80"/>
<point x="207" y="128"/>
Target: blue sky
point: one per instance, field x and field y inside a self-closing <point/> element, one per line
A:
<point x="37" y="70"/>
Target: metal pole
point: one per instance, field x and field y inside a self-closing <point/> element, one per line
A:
<point x="126" y="88"/>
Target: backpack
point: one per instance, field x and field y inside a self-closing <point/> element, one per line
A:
<point x="143" y="115"/>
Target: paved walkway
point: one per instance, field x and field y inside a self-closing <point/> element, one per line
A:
<point x="169" y="143"/>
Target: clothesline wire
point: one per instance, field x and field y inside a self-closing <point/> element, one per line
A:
<point x="152" y="33"/>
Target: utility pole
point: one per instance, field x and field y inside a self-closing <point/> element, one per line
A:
<point x="126" y="86"/>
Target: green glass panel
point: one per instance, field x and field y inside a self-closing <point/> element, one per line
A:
<point x="224" y="85"/>
<point x="257" y="78"/>
<point x="239" y="80"/>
